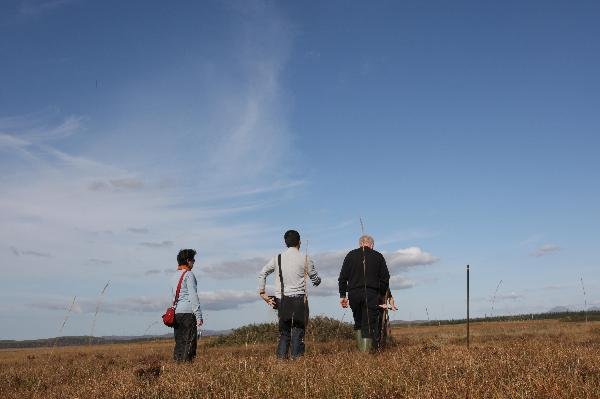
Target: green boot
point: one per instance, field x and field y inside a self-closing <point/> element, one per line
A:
<point x="365" y="344"/>
<point x="358" y="336"/>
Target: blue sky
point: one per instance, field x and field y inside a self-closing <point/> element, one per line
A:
<point x="463" y="133"/>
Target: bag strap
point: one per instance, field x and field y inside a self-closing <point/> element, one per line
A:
<point x="280" y="275"/>
<point x="178" y="288"/>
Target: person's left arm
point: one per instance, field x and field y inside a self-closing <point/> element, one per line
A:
<point x="194" y="300"/>
<point x="312" y="273"/>
<point x="384" y="277"/>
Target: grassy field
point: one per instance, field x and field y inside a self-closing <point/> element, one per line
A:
<point x="533" y="359"/>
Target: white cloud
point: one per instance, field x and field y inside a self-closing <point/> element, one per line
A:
<point x="328" y="263"/>
<point x="235" y="268"/>
<point x="329" y="285"/>
<point x="227" y="299"/>
<point x="398" y="282"/>
<point x="408" y="257"/>
<point x="545" y="250"/>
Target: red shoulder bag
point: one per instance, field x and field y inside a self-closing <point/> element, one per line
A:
<point x="169" y="316"/>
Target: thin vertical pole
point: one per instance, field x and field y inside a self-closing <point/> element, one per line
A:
<point x="468" y="319"/>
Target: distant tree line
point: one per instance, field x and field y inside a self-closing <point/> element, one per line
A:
<point x="568" y="316"/>
<point x="73" y="341"/>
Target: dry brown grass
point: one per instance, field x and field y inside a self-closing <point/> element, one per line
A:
<point x="535" y="359"/>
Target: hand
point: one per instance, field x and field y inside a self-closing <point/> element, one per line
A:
<point x="344" y="302"/>
<point x="267" y="299"/>
<point x="390" y="305"/>
<point x="393" y="304"/>
<point x="199" y="323"/>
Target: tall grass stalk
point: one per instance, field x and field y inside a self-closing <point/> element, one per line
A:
<point x="584" y="300"/>
<point x="98" y="309"/>
<point x="60" y="330"/>
<point x="494" y="297"/>
<point x="62" y="326"/>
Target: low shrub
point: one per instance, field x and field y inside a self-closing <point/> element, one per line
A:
<point x="320" y="329"/>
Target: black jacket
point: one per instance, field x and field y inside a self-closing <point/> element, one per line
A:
<point x="352" y="275"/>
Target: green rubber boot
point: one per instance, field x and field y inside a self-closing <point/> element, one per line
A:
<point x="366" y="344"/>
<point x="358" y="336"/>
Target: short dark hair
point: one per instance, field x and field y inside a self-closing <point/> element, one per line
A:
<point x="292" y="238"/>
<point x="184" y="255"/>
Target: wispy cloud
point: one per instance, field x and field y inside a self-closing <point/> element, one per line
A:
<point x="532" y="239"/>
<point x="513" y="296"/>
<point x="95" y="261"/>
<point x="8" y="141"/>
<point x="211" y="300"/>
<point x="27" y="252"/>
<point x="90" y="194"/>
<point x="545" y="250"/>
<point x="138" y="230"/>
<point x="41" y="127"/>
<point x="555" y="287"/>
<point x="126" y="183"/>
<point x="161" y="244"/>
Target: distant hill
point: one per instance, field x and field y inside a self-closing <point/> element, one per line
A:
<point x="559" y="309"/>
<point x="555" y="313"/>
<point x="87" y="340"/>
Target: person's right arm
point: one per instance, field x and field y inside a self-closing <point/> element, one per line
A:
<point x="343" y="281"/>
<point x="262" y="281"/>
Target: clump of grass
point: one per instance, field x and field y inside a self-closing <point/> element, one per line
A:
<point x="320" y="329"/>
<point x="246" y="335"/>
<point x="326" y="329"/>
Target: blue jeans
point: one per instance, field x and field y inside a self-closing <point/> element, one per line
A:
<point x="293" y="314"/>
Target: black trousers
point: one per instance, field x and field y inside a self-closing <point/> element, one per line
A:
<point x="365" y="310"/>
<point x="186" y="337"/>
<point x="293" y="317"/>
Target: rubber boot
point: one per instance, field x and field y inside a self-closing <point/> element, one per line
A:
<point x="358" y="336"/>
<point x="365" y="345"/>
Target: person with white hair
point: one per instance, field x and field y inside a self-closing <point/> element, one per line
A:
<point x="363" y="285"/>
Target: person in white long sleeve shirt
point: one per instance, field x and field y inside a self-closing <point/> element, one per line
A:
<point x="188" y="314"/>
<point x="293" y="306"/>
